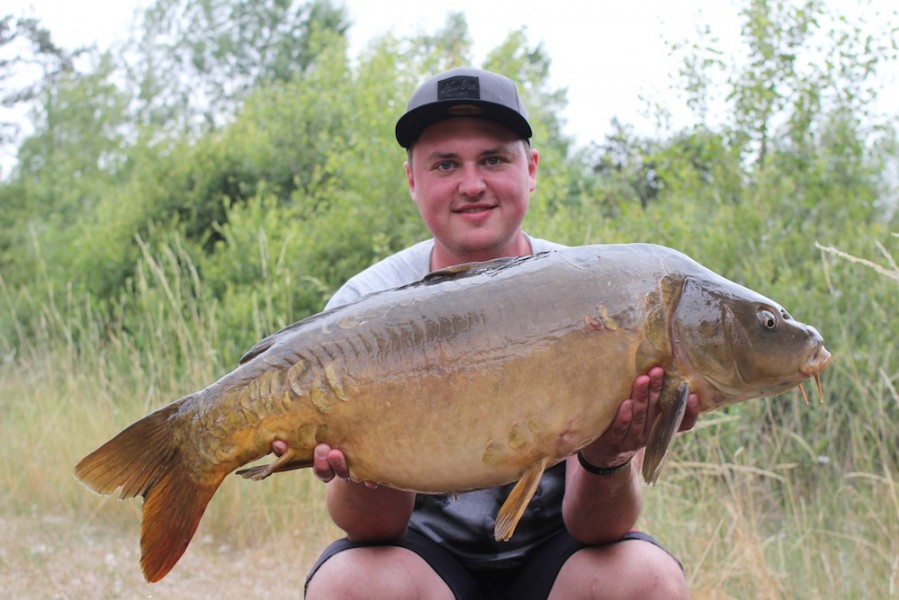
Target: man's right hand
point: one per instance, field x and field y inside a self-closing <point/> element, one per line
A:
<point x="327" y="462"/>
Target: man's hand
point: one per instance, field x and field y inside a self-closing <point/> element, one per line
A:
<point x="629" y="431"/>
<point x="327" y="462"/>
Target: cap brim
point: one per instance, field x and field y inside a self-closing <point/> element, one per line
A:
<point x="413" y="123"/>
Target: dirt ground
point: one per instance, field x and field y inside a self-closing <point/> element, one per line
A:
<point x="48" y="556"/>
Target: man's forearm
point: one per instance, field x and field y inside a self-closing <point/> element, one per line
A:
<point x="601" y="508"/>
<point x="369" y="514"/>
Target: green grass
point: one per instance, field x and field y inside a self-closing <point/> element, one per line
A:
<point x="759" y="525"/>
<point x="771" y="499"/>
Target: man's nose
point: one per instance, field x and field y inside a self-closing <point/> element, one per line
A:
<point x="472" y="183"/>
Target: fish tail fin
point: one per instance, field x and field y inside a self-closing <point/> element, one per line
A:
<point x="673" y="404"/>
<point x="144" y="460"/>
<point x="173" y="507"/>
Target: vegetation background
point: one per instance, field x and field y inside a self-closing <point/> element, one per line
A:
<point x="222" y="173"/>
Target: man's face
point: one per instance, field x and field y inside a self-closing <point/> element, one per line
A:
<point x="471" y="180"/>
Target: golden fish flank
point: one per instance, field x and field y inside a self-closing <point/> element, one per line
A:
<point x="524" y="381"/>
<point x="295" y="378"/>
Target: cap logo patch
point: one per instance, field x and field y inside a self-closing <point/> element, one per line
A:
<point x="460" y="86"/>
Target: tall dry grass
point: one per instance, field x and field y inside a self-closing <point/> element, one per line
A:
<point x="69" y="384"/>
<point x="755" y="501"/>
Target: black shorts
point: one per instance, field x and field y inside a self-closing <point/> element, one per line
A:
<point x="533" y="580"/>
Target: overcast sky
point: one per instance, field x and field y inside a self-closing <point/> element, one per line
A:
<point x="606" y="53"/>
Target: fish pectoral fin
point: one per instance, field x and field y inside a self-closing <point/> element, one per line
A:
<point x="510" y="512"/>
<point x="673" y="403"/>
<point x="288" y="461"/>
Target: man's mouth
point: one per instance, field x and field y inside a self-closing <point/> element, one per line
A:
<point x="474" y="209"/>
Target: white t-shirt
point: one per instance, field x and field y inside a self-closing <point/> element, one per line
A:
<point x="405" y="267"/>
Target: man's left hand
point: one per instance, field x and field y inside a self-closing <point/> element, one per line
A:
<point x="629" y="431"/>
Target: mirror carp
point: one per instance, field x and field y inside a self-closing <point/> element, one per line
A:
<point x="479" y="375"/>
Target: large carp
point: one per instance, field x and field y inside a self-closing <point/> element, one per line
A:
<point x="479" y="375"/>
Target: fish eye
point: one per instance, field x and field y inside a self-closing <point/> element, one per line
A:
<point x="767" y="318"/>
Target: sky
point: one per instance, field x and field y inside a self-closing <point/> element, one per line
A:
<point x="607" y="54"/>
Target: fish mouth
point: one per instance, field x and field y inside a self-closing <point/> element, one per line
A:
<point x="817" y="362"/>
<point x="813" y="368"/>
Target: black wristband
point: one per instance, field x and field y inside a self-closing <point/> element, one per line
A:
<point x="600" y="470"/>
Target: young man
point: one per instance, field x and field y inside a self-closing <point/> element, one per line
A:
<point x="470" y="171"/>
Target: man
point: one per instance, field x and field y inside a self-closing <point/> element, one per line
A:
<point x="470" y="171"/>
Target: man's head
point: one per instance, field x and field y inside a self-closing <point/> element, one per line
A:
<point x="474" y="169"/>
<point x="459" y="93"/>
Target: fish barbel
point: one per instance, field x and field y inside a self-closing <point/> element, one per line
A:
<point x="479" y="375"/>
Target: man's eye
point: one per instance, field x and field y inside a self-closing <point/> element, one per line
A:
<point x="493" y="161"/>
<point x="444" y="166"/>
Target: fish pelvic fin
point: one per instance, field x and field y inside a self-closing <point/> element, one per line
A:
<point x="510" y="512"/>
<point x="144" y="460"/>
<point x="288" y="461"/>
<point x="673" y="403"/>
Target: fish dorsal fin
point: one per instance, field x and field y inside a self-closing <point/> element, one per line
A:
<point x="510" y="512"/>
<point x="673" y="403"/>
<point x="470" y="269"/>
<point x="265" y="344"/>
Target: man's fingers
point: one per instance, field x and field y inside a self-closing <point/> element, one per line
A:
<point x="338" y="463"/>
<point x="656" y="381"/>
<point x="623" y="419"/>
<point x="327" y="462"/>
<point x="321" y="463"/>
<point x="279" y="447"/>
<point x="690" y="414"/>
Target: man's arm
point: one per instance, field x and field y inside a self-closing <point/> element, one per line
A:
<point x="602" y="508"/>
<point x="366" y="512"/>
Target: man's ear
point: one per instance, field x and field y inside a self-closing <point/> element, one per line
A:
<point x="533" y="161"/>
<point x="410" y="178"/>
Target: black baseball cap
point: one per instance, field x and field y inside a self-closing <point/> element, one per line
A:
<point x="463" y="92"/>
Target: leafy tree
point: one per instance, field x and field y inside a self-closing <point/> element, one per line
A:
<point x="199" y="59"/>
<point x="89" y="181"/>
<point x="67" y="163"/>
<point x="802" y="63"/>
<point x="29" y="61"/>
<point x="799" y="116"/>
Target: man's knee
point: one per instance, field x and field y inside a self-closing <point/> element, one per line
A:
<point x="376" y="572"/>
<point x="627" y="569"/>
<point x="662" y="577"/>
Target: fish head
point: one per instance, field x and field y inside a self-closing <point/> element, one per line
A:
<point x="736" y="344"/>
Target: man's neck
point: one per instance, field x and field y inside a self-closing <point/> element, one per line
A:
<point x="441" y="257"/>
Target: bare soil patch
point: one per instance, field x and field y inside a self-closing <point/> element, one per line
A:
<point x="53" y="556"/>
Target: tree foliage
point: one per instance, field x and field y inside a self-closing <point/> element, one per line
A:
<point x="236" y="149"/>
<point x="198" y="60"/>
<point x="29" y="61"/>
